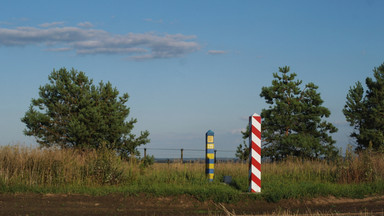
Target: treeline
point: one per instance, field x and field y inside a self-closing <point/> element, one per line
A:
<point x="294" y="124"/>
<point x="73" y="113"/>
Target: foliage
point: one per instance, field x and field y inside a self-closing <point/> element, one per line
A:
<point x="355" y="168"/>
<point x="105" y="167"/>
<point x="293" y="125"/>
<point x="72" y="112"/>
<point x="147" y="161"/>
<point x="242" y="152"/>
<point x="365" y="111"/>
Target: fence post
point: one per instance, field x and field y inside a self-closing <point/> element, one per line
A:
<point x="181" y="151"/>
<point x="215" y="157"/>
<point x="255" y="153"/>
<point x="145" y="153"/>
<point x="210" y="157"/>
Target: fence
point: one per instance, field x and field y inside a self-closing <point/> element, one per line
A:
<point x="185" y="155"/>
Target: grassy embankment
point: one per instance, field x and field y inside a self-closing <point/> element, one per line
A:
<point x="65" y="171"/>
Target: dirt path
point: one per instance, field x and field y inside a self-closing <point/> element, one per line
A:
<point x="49" y="204"/>
<point x="329" y="205"/>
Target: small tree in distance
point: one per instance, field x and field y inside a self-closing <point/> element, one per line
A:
<point x="242" y="151"/>
<point x="72" y="112"/>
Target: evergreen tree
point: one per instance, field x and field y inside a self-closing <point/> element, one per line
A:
<point x="366" y="111"/>
<point x="72" y="112"/>
<point x="242" y="151"/>
<point x="354" y="111"/>
<point x="293" y="125"/>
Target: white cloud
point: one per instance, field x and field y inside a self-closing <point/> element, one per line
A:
<point x="61" y="49"/>
<point x="5" y="23"/>
<point x="244" y="118"/>
<point x="52" y="24"/>
<point x="238" y="131"/>
<point x="154" y="21"/>
<point x="85" y="25"/>
<point x="143" y="46"/>
<point x="341" y="123"/>
<point x="216" y="52"/>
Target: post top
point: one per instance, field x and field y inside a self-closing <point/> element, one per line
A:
<point x="210" y="133"/>
<point x="255" y="114"/>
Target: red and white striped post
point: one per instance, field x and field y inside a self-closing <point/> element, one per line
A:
<point x="255" y="153"/>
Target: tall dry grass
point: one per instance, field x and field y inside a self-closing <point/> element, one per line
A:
<point x="50" y="167"/>
<point x="365" y="166"/>
<point x="292" y="178"/>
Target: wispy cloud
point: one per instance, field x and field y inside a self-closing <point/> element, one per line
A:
<point x="51" y="24"/>
<point x="84" y="41"/>
<point x="5" y="23"/>
<point x="216" y="52"/>
<point x="244" y="118"/>
<point x="154" y="21"/>
<point x="341" y="123"/>
<point x="85" y="25"/>
<point x="237" y="131"/>
<point x="61" y="49"/>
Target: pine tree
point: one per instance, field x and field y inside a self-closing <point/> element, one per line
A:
<point x="354" y="111"/>
<point x="366" y="111"/>
<point x="293" y="125"/>
<point x="72" y="112"/>
<point x="242" y="151"/>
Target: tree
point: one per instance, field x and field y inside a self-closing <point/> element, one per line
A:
<point x="242" y="151"/>
<point x="354" y="111"/>
<point x="72" y="112"/>
<point x="293" y="125"/>
<point x="366" y="111"/>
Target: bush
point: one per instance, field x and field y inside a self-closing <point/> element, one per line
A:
<point x="105" y="168"/>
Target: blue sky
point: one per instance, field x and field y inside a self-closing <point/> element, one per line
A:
<point x="188" y="66"/>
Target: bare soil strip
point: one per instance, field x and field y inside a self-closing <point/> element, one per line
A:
<point x="72" y="204"/>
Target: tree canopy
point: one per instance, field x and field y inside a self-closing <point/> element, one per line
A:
<point x="366" y="111"/>
<point x="293" y="124"/>
<point x="72" y="112"/>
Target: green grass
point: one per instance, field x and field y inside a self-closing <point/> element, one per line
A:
<point x="26" y="170"/>
<point x="275" y="191"/>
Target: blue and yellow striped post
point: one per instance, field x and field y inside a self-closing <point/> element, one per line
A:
<point x="210" y="155"/>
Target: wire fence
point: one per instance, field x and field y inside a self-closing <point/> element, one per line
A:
<point x="185" y="154"/>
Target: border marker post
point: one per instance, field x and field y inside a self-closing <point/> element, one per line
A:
<point x="210" y="157"/>
<point x="255" y="153"/>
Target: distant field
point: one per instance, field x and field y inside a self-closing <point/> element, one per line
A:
<point x="26" y="170"/>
